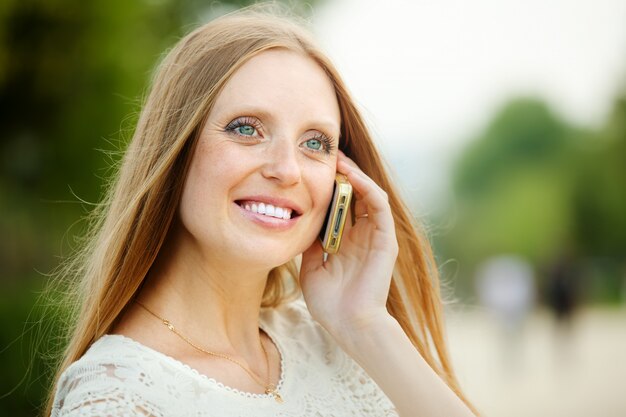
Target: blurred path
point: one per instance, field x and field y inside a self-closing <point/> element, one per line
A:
<point x="542" y="371"/>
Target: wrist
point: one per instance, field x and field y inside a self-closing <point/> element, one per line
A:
<point x="359" y="332"/>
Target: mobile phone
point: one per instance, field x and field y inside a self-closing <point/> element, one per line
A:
<point x="332" y="230"/>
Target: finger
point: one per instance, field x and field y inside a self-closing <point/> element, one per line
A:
<point x="342" y="165"/>
<point x="369" y="193"/>
<point x="344" y="159"/>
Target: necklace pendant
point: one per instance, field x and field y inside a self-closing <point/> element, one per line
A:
<point x="277" y="397"/>
<point x="275" y="393"/>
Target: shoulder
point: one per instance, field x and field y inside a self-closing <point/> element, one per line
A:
<point x="106" y="380"/>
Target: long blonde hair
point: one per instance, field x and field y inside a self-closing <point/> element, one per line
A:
<point x="129" y="227"/>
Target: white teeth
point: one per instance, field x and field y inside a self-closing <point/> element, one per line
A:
<point x="268" y="210"/>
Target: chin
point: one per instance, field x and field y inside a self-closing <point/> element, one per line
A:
<point x="256" y="257"/>
<point x="271" y="256"/>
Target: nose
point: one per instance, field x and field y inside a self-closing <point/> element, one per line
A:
<point x="282" y="164"/>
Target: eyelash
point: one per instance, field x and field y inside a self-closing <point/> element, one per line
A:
<point x="327" y="143"/>
<point x="240" y="122"/>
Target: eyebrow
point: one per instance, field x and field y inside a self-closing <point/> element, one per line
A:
<point x="248" y="110"/>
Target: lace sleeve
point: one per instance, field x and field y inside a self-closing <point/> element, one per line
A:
<point x="99" y="390"/>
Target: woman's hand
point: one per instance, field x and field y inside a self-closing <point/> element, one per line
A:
<point x="349" y="291"/>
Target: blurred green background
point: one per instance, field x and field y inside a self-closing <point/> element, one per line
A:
<point x="72" y="75"/>
<point x="533" y="185"/>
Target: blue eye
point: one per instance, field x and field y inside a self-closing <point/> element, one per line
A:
<point x="247" y="126"/>
<point x="314" y="144"/>
<point x="246" y="130"/>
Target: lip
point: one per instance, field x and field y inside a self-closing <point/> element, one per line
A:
<point x="275" y="201"/>
<point x="267" y="222"/>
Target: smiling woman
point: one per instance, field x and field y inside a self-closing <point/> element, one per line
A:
<point x="261" y="146"/>
<point x="183" y="305"/>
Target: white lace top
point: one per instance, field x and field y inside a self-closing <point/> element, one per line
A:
<point x="118" y="376"/>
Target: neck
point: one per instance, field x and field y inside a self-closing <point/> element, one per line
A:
<point x="215" y="303"/>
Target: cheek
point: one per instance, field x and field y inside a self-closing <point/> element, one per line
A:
<point x="322" y="192"/>
<point x="193" y="204"/>
<point x="208" y="180"/>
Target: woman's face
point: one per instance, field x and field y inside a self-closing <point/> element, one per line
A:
<point x="262" y="174"/>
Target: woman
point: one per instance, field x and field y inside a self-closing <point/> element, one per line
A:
<point x="185" y="306"/>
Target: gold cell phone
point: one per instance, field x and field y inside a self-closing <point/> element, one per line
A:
<point x="332" y="230"/>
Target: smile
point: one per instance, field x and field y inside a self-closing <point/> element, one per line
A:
<point x="267" y="215"/>
<point x="267" y="209"/>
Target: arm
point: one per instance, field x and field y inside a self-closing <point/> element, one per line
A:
<point x="384" y="351"/>
<point x="347" y="295"/>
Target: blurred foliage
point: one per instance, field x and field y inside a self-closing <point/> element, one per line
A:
<point x="600" y="195"/>
<point x="72" y="77"/>
<point x="535" y="186"/>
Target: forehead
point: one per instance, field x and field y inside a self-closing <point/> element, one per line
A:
<point x="285" y="82"/>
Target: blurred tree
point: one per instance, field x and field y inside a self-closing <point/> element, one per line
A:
<point x="523" y="135"/>
<point x="511" y="186"/>
<point x="534" y="186"/>
<point x="599" y="203"/>
<point x="72" y="75"/>
<point x="69" y="73"/>
<point x="600" y="194"/>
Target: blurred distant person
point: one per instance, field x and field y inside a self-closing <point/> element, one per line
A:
<point x="506" y="287"/>
<point x="562" y="289"/>
<point x="562" y="298"/>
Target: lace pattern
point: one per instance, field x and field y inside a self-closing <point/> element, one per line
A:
<point x="118" y="376"/>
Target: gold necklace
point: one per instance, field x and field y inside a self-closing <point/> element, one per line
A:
<point x="269" y="387"/>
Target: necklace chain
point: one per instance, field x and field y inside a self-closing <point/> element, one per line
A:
<point x="269" y="387"/>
